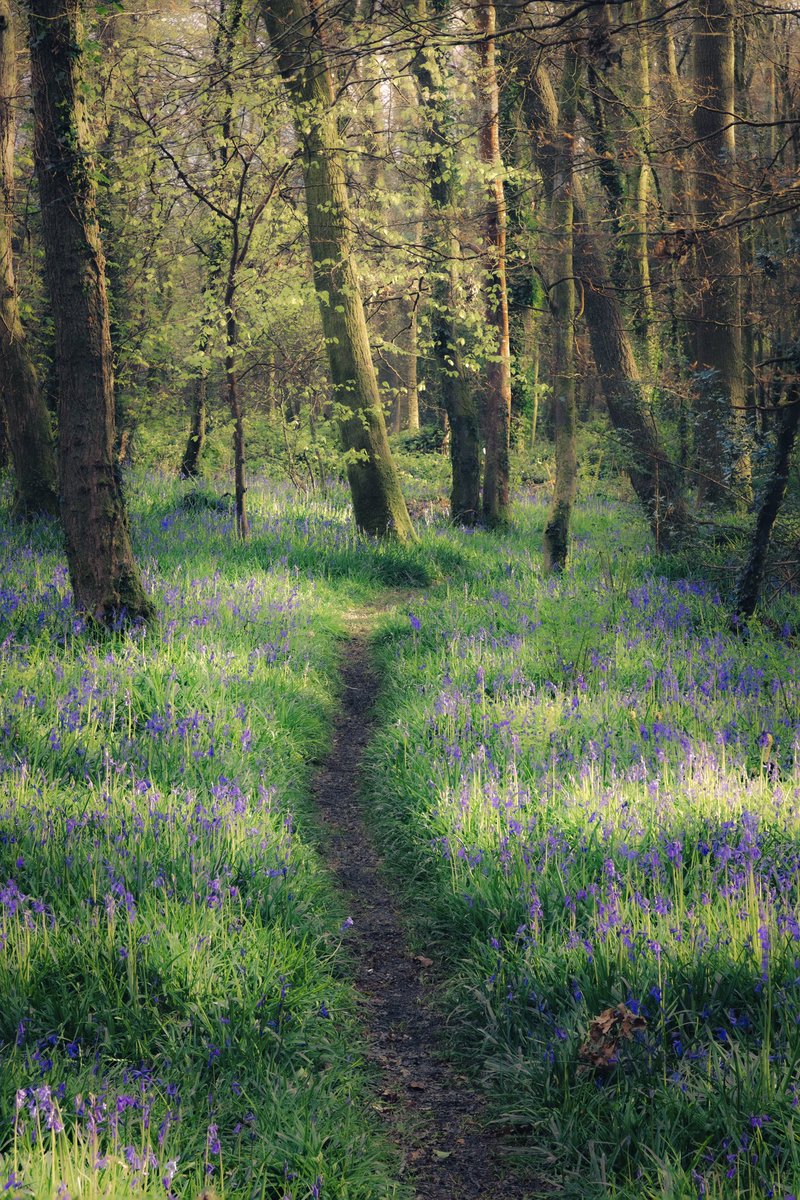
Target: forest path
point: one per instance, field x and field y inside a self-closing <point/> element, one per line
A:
<point x="433" y="1117"/>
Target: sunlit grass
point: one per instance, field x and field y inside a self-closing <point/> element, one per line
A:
<point x="591" y="793"/>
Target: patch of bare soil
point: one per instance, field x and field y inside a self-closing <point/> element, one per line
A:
<point x="434" y="1118"/>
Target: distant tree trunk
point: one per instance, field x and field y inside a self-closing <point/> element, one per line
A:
<point x="378" y="501"/>
<point x="556" y="534"/>
<point x="496" y="481"/>
<point x="457" y="396"/>
<point x="654" y="478"/>
<point x="195" y="443"/>
<point x="234" y="403"/>
<point x="721" y="459"/>
<point x="411" y="382"/>
<point x="105" y="579"/>
<point x="397" y="370"/>
<point x="270" y="388"/>
<point x="644" y="323"/>
<point x="752" y="577"/>
<point x="28" y="421"/>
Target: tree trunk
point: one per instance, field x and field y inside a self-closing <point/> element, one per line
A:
<point x="721" y="458"/>
<point x="654" y="478"/>
<point x="378" y="501"/>
<point x="644" y="319"/>
<point x="190" y="463"/>
<point x="410" y="380"/>
<point x="752" y="577"/>
<point x="496" y="481"/>
<point x="442" y="238"/>
<point x="234" y="403"/>
<point x="104" y="576"/>
<point x="556" y="534"/>
<point x="28" y="421"/>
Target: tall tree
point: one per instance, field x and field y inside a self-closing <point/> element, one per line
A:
<point x="104" y="575"/>
<point x="556" y="534"/>
<point x="720" y="456"/>
<point x="296" y="38"/>
<point x="497" y="473"/>
<point x="430" y="67"/>
<point x="28" y="421"/>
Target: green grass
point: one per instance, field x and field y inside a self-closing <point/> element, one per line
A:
<point x="590" y="791"/>
<point x="175" y="1006"/>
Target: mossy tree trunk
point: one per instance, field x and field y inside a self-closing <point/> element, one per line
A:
<point x="28" y="421"/>
<point x="556" y="534"/>
<point x="378" y="502"/>
<point x="105" y="579"/>
<point x="497" y="425"/>
<point x="442" y="238"/>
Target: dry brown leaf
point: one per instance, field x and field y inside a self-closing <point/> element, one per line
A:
<point x="606" y="1031"/>
<point x="423" y="961"/>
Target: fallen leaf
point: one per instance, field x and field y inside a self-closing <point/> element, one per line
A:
<point x="442" y="1153"/>
<point x="416" y="1085"/>
<point x="606" y="1031"/>
<point x="423" y="961"/>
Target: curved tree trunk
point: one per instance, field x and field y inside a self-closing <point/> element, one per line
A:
<point x="556" y="534"/>
<point x="105" y="579"/>
<point x="497" y="474"/>
<point x="28" y="421"/>
<point x="752" y="577"/>
<point x="457" y="396"/>
<point x="378" y="501"/>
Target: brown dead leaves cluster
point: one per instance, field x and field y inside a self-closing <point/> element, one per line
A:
<point x="600" y="1051"/>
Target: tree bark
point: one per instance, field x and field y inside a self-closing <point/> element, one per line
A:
<point x="752" y="577"/>
<point x="234" y="402"/>
<point x="556" y="534"/>
<point x="442" y="238"/>
<point x="105" y="579"/>
<point x="28" y="421"/>
<point x="497" y="473"/>
<point x="195" y="443"/>
<point x="721" y="458"/>
<point x="378" y="501"/>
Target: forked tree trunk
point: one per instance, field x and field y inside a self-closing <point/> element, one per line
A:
<point x="497" y="474"/>
<point x="28" y="421"/>
<point x="104" y="576"/>
<point x="378" y="501"/>
<point x="556" y="534"/>
<point x="721" y="459"/>
<point x="653" y="476"/>
<point x="442" y="238"/>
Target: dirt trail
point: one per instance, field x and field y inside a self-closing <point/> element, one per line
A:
<point x="434" y="1118"/>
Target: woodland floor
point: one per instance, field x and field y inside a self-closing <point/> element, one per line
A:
<point x="435" y="1120"/>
